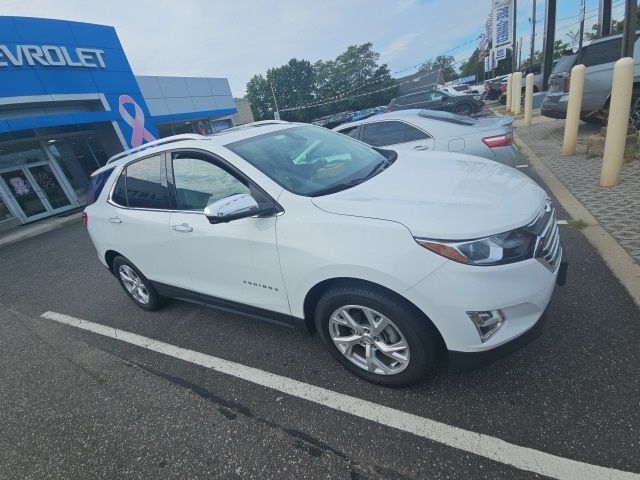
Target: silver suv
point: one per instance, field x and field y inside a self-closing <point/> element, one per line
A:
<point x="598" y="56"/>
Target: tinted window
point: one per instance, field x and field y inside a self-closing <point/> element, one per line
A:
<point x="436" y="96"/>
<point x="602" y="52"/>
<point x="565" y="63"/>
<point x="351" y="131"/>
<point x="410" y="99"/>
<point x="379" y="134"/>
<point x="96" y="184"/>
<point x="119" y="195"/>
<point x="309" y="160"/>
<point x="412" y="134"/>
<point x="145" y="187"/>
<point x="199" y="182"/>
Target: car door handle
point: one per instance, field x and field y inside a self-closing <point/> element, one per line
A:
<point x="184" y="227"/>
<point x="421" y="147"/>
<point x="115" y="220"/>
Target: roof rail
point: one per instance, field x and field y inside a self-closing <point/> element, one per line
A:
<point x="155" y="143"/>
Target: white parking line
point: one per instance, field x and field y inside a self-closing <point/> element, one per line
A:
<point x="562" y="222"/>
<point x="483" y="445"/>
<point x="522" y="166"/>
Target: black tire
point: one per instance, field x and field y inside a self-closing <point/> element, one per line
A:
<point x="596" y="120"/>
<point x="421" y="336"/>
<point x="154" y="301"/>
<point x="464" y="109"/>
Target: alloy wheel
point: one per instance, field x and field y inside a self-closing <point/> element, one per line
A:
<point x="369" y="340"/>
<point x="134" y="284"/>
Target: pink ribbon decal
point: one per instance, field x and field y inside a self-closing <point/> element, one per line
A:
<point x="136" y="122"/>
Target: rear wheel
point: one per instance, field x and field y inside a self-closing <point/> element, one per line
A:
<point x="377" y="336"/>
<point x="136" y="285"/>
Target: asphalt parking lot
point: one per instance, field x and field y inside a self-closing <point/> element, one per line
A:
<point x="77" y="404"/>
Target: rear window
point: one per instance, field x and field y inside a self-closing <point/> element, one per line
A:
<point x="447" y="117"/>
<point x="602" y="52"/>
<point x="96" y="185"/>
<point x="565" y="63"/>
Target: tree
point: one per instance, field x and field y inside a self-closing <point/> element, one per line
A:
<point x="574" y="37"/>
<point x="441" y="62"/>
<point x="559" y="48"/>
<point x="473" y="66"/>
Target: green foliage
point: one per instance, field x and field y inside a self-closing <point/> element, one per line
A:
<point x="558" y="48"/>
<point x="473" y="66"/>
<point x="441" y="62"/>
<point x="352" y="73"/>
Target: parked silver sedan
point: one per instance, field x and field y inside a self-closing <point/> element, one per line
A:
<point x="487" y="137"/>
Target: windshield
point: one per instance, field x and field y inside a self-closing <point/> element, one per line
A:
<point x="565" y="63"/>
<point x="310" y="160"/>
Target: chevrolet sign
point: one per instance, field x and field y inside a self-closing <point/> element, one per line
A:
<point x="50" y="56"/>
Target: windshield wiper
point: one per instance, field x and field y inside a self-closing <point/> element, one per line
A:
<point x="337" y="188"/>
<point x="381" y="166"/>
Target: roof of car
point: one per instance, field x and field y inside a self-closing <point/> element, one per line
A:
<point x="221" y="138"/>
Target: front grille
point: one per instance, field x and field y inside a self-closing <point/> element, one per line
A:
<point x="548" y="247"/>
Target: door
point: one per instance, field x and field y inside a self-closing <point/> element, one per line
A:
<point x="236" y="261"/>
<point x="136" y="220"/>
<point x="27" y="198"/>
<point x="49" y="186"/>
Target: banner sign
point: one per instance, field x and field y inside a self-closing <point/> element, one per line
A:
<point x="499" y="53"/>
<point x="502" y="16"/>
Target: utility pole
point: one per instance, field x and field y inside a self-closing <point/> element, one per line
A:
<point x="604" y="18"/>
<point x="514" y="45"/>
<point x="549" y="41"/>
<point x="276" y="114"/>
<point x="581" y="27"/>
<point x="629" y="32"/>
<point x="520" y="54"/>
<point x="533" y="35"/>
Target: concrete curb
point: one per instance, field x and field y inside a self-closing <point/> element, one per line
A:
<point x="619" y="261"/>
<point x="30" y="231"/>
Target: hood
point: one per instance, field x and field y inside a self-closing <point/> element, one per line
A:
<point x="443" y="196"/>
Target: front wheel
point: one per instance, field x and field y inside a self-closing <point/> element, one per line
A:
<point x="464" y="109"/>
<point x="377" y="336"/>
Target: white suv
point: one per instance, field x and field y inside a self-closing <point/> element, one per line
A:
<point x="392" y="259"/>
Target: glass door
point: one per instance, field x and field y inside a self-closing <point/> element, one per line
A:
<point x="25" y="195"/>
<point x="49" y="185"/>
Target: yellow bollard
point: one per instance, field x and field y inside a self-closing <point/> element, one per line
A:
<point x="516" y="95"/>
<point x="528" y="99"/>
<point x="573" y="111"/>
<point x="507" y="105"/>
<point x="618" y="123"/>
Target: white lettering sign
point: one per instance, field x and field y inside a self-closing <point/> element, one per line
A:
<point x="50" y="56"/>
<point x="502" y="22"/>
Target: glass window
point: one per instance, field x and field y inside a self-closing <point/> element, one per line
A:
<point x="411" y="134"/>
<point x="165" y="131"/>
<point x="119" y="195"/>
<point x="5" y="214"/>
<point x="76" y="161"/>
<point x="96" y="185"/>
<point x="23" y="153"/>
<point x="380" y="134"/>
<point x="310" y="160"/>
<point x="602" y="52"/>
<point x="350" y="132"/>
<point x="98" y="150"/>
<point x="200" y="182"/>
<point x="411" y="99"/>
<point x="565" y="63"/>
<point x="145" y="187"/>
<point x="183" y="127"/>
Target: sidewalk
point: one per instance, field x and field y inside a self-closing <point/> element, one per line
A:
<point x="33" y="229"/>
<point x="617" y="209"/>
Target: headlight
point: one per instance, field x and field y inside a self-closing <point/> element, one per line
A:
<point x="498" y="249"/>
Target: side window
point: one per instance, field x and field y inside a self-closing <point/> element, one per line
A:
<point x="602" y="52"/>
<point x="436" y="96"/>
<point x="411" y="134"/>
<point x="379" y="134"/>
<point x="410" y="99"/>
<point x="96" y="184"/>
<point x="145" y="187"/>
<point x="350" y="132"/>
<point x="199" y="182"/>
<point x="119" y="195"/>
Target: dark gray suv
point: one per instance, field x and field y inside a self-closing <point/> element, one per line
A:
<point x="437" y="100"/>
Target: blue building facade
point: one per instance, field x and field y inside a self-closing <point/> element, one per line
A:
<point x="69" y="100"/>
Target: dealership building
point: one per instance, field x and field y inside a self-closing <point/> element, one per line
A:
<point x="69" y="100"/>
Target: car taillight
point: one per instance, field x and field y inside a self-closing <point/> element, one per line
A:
<point x="498" y="140"/>
<point x="567" y="82"/>
<point x="503" y="87"/>
<point x="85" y="219"/>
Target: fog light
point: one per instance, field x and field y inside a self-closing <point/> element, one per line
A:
<point x="487" y="322"/>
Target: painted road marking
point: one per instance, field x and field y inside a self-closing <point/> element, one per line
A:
<point x="562" y="222"/>
<point x="486" y="446"/>
<point x="522" y="166"/>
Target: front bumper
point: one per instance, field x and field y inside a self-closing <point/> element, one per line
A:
<point x="521" y="290"/>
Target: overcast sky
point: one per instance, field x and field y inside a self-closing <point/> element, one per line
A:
<point x="239" y="38"/>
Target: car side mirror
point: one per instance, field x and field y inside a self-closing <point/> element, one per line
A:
<point x="235" y="207"/>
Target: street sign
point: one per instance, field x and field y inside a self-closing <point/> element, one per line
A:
<point x="499" y="53"/>
<point x="502" y="15"/>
